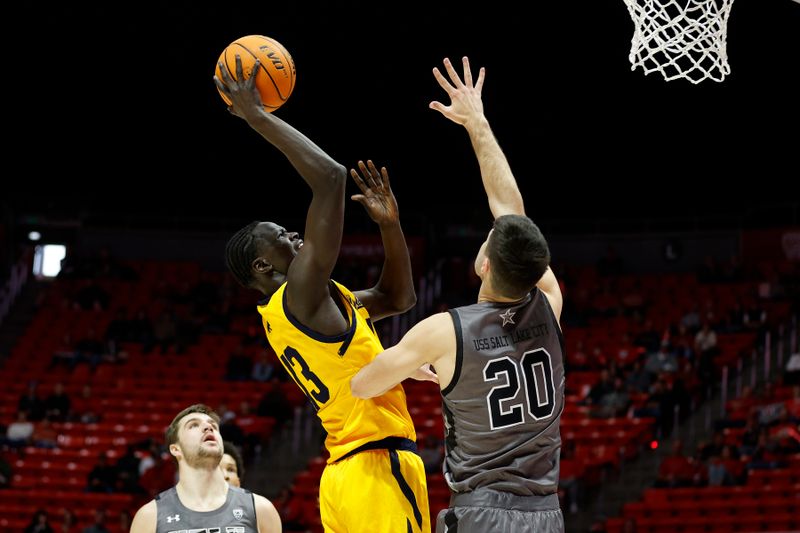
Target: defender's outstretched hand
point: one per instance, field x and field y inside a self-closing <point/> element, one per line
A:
<point x="243" y="93"/>
<point x="377" y="196"/>
<point x="465" y="98"/>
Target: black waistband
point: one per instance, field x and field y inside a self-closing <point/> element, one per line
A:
<point x="389" y="443"/>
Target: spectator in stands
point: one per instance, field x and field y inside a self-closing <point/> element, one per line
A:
<point x="89" y="349"/>
<point x="85" y="408"/>
<point x="290" y="508"/>
<point x="765" y="454"/>
<point x="661" y="361"/>
<point x="691" y="320"/>
<point x="638" y="379"/>
<point x="44" y="434"/>
<point x="718" y="473"/>
<point x="682" y="342"/>
<point x="148" y="458"/>
<point x="103" y="475"/>
<point x="602" y="387"/>
<point x="99" y="525"/>
<point x="755" y="317"/>
<point x="706" y="339"/>
<point x="705" y="347"/>
<point x="784" y="432"/>
<point x="649" y="337"/>
<point x="19" y="432"/>
<point x="165" y="331"/>
<point x="30" y="403"/>
<point x="749" y="438"/>
<point x="159" y="475"/>
<point x="57" y="404"/>
<point x="228" y="427"/>
<point x="39" y="523"/>
<point x="129" y="461"/>
<point x="734" y="323"/>
<point x="232" y="464"/>
<point x="676" y="470"/>
<point x="263" y="368"/>
<point x="615" y="402"/>
<point x="659" y="405"/>
<point x="69" y="521"/>
<point x="64" y="352"/>
<point x="707" y="449"/>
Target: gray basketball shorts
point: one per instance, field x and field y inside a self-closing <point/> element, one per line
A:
<point x="466" y="515"/>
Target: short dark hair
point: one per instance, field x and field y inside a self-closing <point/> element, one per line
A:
<point x="231" y="449"/>
<point x="518" y="255"/>
<point x="240" y="251"/>
<point x="172" y="431"/>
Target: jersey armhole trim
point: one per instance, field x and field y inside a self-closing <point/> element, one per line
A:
<point x="459" y="352"/>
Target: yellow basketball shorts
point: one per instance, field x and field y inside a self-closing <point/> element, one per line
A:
<point x="375" y="491"/>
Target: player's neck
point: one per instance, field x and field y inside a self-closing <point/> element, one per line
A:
<point x="488" y="294"/>
<point x="201" y="489"/>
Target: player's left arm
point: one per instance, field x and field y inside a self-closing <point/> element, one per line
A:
<point x="425" y="343"/>
<point x="267" y="517"/>
<point x="394" y="292"/>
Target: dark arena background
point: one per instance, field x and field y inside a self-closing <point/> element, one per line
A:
<point x="667" y="206"/>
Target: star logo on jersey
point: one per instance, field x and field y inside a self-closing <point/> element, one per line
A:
<point x="508" y="316"/>
<point x="174" y="518"/>
<point x="238" y="514"/>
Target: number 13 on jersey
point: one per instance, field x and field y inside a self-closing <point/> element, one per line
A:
<point x="293" y="362"/>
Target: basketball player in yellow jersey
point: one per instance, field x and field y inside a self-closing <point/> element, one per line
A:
<point x="323" y="333"/>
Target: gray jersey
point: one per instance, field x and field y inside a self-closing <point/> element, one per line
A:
<point x="502" y="408"/>
<point x="237" y="515"/>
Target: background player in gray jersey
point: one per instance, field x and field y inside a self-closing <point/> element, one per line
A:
<point x="499" y="362"/>
<point x="232" y="464"/>
<point x="202" y="499"/>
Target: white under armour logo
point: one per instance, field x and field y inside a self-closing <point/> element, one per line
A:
<point x="176" y="518"/>
<point x="507" y="316"/>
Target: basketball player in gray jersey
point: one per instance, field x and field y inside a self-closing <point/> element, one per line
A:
<point x="202" y="501"/>
<point x="499" y="362"/>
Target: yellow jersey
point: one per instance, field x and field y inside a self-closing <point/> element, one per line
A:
<point x="322" y="366"/>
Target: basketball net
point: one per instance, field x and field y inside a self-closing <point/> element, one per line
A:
<point x="680" y="38"/>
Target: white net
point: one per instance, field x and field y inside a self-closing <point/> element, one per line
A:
<point x="680" y="38"/>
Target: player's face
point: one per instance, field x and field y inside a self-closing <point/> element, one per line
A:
<point x="228" y="466"/>
<point x="199" y="440"/>
<point x="277" y="245"/>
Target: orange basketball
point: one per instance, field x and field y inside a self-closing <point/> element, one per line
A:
<point x="276" y="74"/>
